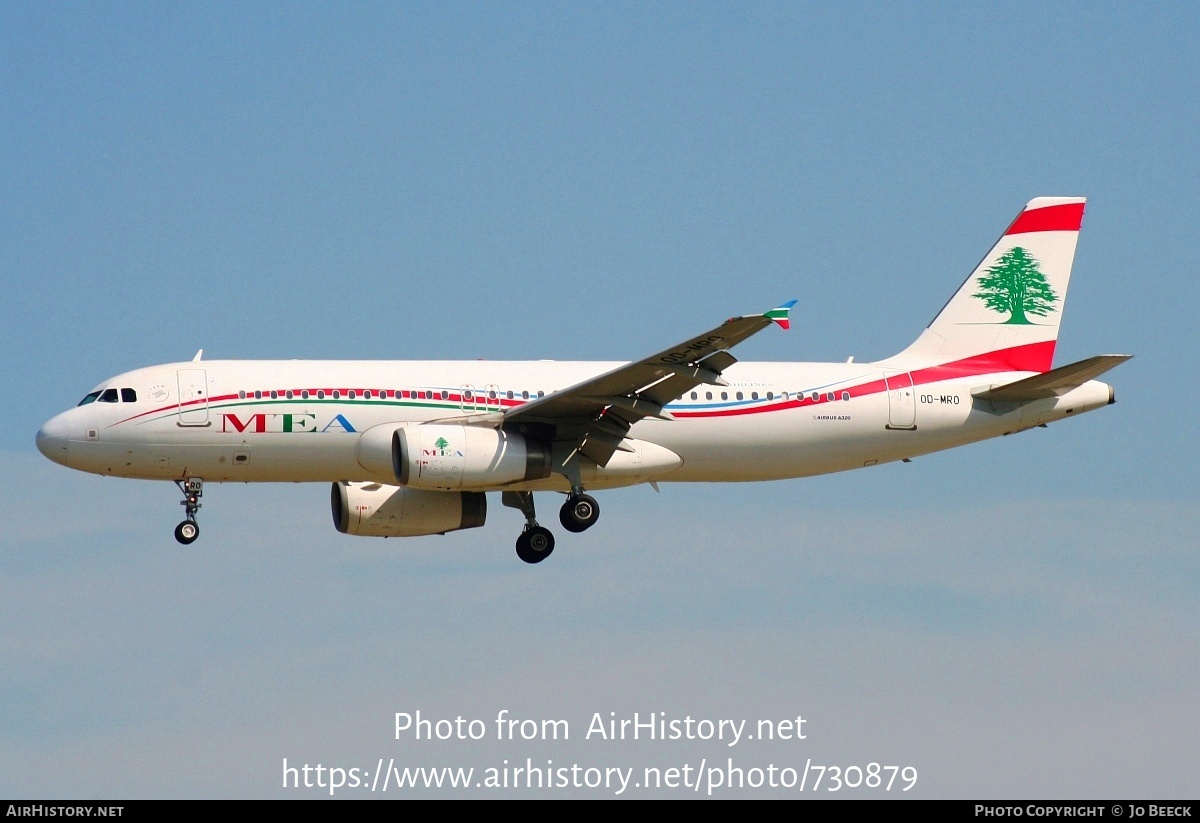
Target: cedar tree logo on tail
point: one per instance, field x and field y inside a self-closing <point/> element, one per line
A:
<point x="1016" y="285"/>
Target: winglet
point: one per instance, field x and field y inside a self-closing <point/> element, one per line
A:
<point x="780" y="315"/>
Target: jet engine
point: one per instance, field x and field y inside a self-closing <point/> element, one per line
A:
<point x="453" y="457"/>
<point x="378" y="510"/>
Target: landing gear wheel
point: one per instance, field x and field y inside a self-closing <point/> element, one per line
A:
<point x="535" y="544"/>
<point x="193" y="489"/>
<point x="187" y="532"/>
<point x="579" y="513"/>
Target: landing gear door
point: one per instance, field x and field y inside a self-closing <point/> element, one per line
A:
<point x="902" y="400"/>
<point x="193" y="397"/>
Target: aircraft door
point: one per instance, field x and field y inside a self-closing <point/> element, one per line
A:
<point x="193" y="397"/>
<point x="468" y="397"/>
<point x="902" y="400"/>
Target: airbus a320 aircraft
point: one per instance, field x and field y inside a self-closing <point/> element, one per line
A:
<point x="413" y="447"/>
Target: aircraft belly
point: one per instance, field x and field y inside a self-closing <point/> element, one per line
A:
<point x="810" y="441"/>
<point x="772" y="445"/>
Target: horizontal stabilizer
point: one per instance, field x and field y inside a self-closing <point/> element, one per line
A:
<point x="1054" y="382"/>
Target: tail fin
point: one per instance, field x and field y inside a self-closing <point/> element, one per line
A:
<point x="1007" y="312"/>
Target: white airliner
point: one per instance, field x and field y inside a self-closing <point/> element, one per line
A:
<point x="412" y="447"/>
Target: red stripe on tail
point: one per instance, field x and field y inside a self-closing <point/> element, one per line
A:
<point x="1064" y="217"/>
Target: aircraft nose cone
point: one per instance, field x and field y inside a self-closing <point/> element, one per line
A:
<point x="52" y="439"/>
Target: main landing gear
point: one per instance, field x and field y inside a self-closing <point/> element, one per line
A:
<point x="579" y="513"/>
<point x="193" y="489"/>
<point x="536" y="542"/>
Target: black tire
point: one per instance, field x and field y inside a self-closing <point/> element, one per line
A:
<point x="579" y="513"/>
<point x="535" y="545"/>
<point x="187" y="532"/>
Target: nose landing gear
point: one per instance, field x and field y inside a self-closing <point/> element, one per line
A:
<point x="192" y="489"/>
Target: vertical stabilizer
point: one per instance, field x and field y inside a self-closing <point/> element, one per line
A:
<point x="1007" y="312"/>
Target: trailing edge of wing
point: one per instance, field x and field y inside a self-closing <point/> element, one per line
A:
<point x="1054" y="382"/>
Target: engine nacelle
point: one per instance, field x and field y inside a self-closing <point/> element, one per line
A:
<point x="378" y="510"/>
<point x="452" y="457"/>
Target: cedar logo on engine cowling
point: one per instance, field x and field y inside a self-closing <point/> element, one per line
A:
<point x="441" y="449"/>
<point x="265" y="423"/>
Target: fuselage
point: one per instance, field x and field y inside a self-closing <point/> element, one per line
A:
<point x="302" y="421"/>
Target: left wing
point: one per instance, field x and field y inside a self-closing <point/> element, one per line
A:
<point x="598" y="413"/>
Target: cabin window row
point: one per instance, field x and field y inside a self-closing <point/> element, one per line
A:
<point x="371" y="394"/>
<point x="496" y="395"/>
<point x="814" y="396"/>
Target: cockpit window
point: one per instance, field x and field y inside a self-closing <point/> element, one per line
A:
<point x="108" y="396"/>
<point x="91" y="398"/>
<point x="128" y="396"/>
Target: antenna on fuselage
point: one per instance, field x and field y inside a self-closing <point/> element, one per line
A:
<point x="199" y="354"/>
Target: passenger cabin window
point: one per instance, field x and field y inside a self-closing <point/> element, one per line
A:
<point x="845" y="395"/>
<point x="695" y="396"/>
<point x="89" y="398"/>
<point x="109" y="396"/>
<point x="771" y="395"/>
<point x="258" y="394"/>
<point x="739" y="396"/>
<point x="524" y="395"/>
<point x="274" y="394"/>
<point x="304" y="394"/>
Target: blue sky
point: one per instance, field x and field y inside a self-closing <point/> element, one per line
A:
<point x="1015" y="618"/>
